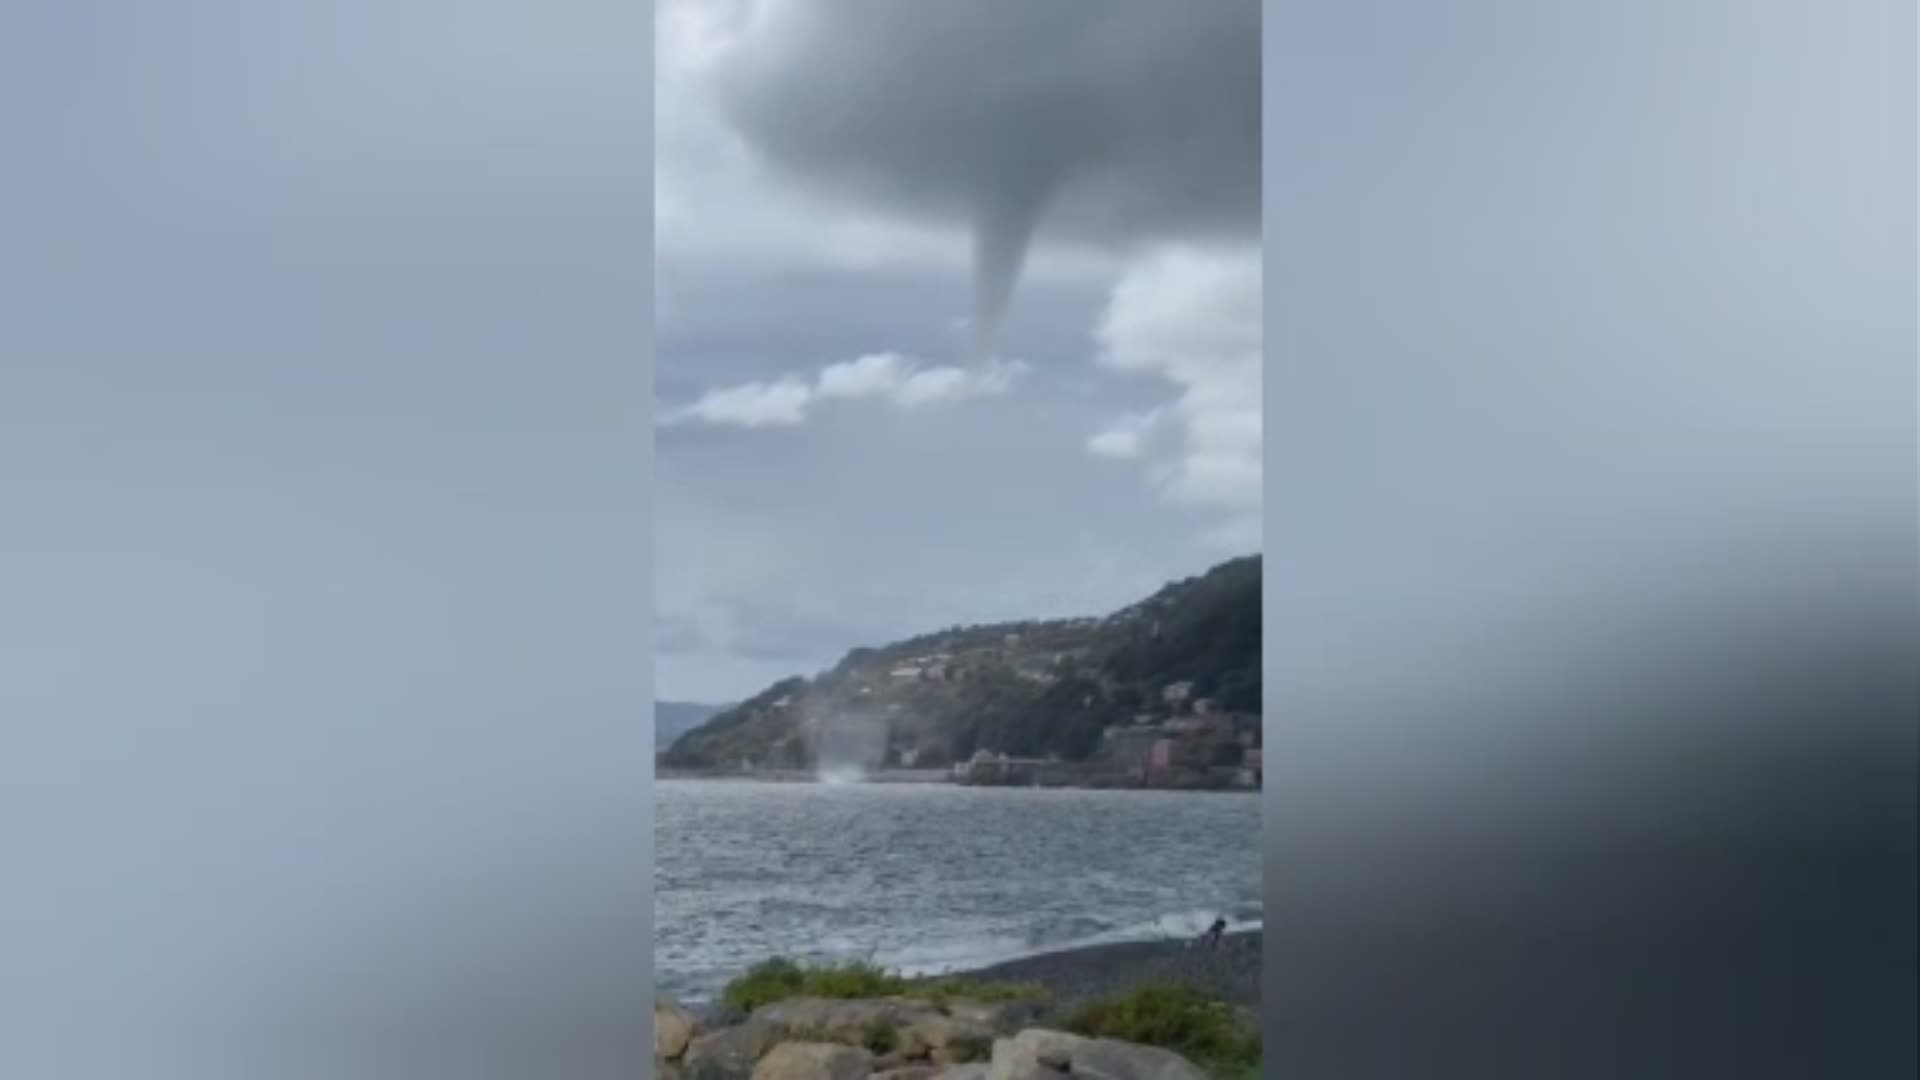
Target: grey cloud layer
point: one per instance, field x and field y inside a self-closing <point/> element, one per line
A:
<point x="822" y="164"/>
<point x="1107" y="122"/>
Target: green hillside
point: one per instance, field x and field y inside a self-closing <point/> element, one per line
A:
<point x="1027" y="689"/>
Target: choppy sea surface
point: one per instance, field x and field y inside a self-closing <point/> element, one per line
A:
<point x="924" y="878"/>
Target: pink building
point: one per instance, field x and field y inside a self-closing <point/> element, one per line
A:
<point x="1161" y="756"/>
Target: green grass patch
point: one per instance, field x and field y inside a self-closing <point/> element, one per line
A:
<point x="780" y="978"/>
<point x="948" y="988"/>
<point x="849" y="981"/>
<point x="764" y="983"/>
<point x="1176" y="1017"/>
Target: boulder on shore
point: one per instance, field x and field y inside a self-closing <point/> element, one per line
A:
<point x="939" y="1034"/>
<point x="814" y="1061"/>
<point x="920" y="1029"/>
<point x="673" y="1028"/>
<point x="1034" y="1054"/>
<point x="730" y="1053"/>
<point x="833" y="1039"/>
<point x="842" y="1020"/>
<point x="1110" y="1059"/>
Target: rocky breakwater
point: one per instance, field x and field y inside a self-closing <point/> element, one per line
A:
<point x="898" y="1038"/>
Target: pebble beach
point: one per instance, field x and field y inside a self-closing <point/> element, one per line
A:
<point x="1231" y="971"/>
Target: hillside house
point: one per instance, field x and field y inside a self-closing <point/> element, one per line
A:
<point x="1161" y="755"/>
<point x="1128" y="747"/>
<point x="986" y="767"/>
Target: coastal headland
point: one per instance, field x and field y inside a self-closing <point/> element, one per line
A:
<point x="1164" y="693"/>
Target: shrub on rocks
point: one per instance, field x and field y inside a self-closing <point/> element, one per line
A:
<point x="1175" y="1017"/>
<point x="779" y="978"/>
<point x="879" y="1037"/>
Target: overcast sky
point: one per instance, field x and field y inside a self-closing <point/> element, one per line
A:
<point x="851" y="446"/>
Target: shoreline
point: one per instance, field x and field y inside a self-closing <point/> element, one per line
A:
<point x="786" y="779"/>
<point x="1079" y="974"/>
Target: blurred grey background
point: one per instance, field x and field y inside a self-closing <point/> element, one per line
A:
<point x="324" y="544"/>
<point x="1591" y="538"/>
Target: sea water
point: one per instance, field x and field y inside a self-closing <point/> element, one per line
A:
<point x="930" y="877"/>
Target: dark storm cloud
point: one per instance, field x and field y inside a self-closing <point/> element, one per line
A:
<point x="1109" y="122"/>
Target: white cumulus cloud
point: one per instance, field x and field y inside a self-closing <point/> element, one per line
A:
<point x="889" y="377"/>
<point x="780" y="403"/>
<point x="1129" y="436"/>
<point x="873" y="375"/>
<point x="1191" y="319"/>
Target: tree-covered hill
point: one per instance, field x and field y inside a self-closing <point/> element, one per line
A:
<point x="1027" y="689"/>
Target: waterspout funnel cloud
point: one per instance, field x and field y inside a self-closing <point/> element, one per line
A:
<point x="1103" y="124"/>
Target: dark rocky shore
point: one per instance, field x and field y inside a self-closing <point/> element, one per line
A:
<point x="1076" y="975"/>
<point x="905" y="1038"/>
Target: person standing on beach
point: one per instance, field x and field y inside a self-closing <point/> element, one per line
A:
<point x="1212" y="937"/>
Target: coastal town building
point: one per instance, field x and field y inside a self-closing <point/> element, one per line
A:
<point x="986" y="767"/>
<point x="1160" y="757"/>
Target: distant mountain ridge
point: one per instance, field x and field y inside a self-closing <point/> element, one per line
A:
<point x="672" y="719"/>
<point x="1034" y="688"/>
